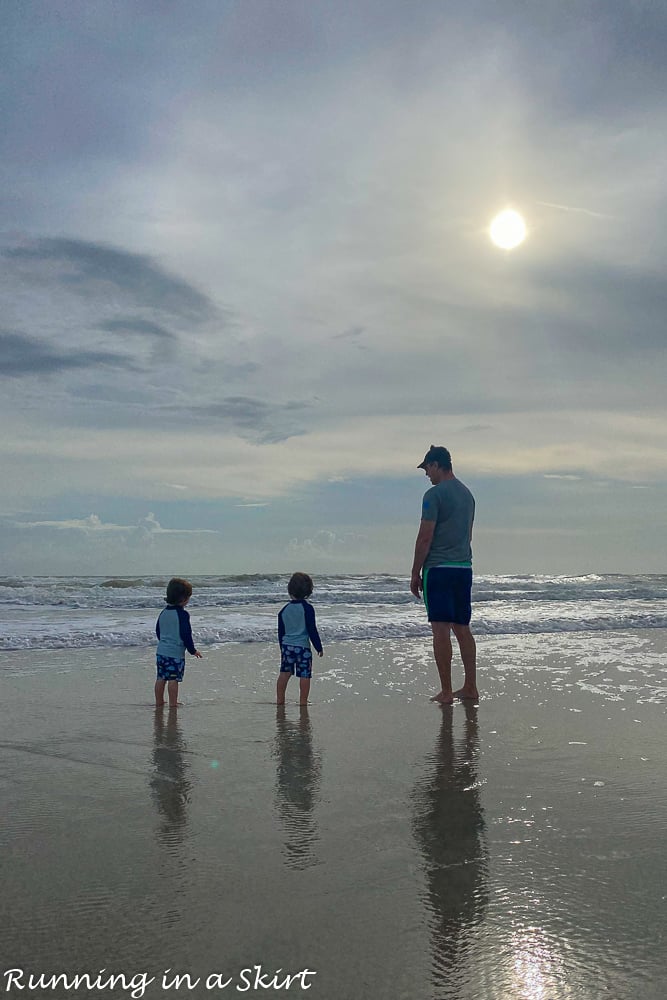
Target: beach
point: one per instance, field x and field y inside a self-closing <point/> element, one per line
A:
<point x="370" y="295"/>
<point x="371" y="845"/>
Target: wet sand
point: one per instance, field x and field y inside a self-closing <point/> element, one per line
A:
<point x="395" y="848"/>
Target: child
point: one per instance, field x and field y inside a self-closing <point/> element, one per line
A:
<point x="174" y="637"/>
<point x="296" y="629"/>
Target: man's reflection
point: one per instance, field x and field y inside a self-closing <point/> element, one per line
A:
<point x="170" y="784"/>
<point x="298" y="770"/>
<point x="449" y="828"/>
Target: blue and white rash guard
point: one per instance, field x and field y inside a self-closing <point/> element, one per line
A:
<point x="296" y="626"/>
<point x="174" y="633"/>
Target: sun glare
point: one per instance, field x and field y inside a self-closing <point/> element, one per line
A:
<point x="508" y="229"/>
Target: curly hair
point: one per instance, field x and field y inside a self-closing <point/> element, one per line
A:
<point x="178" y="590"/>
<point x="300" y="586"/>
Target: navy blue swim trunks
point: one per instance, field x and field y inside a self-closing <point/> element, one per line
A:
<point x="296" y="660"/>
<point x="447" y="592"/>
<point x="169" y="669"/>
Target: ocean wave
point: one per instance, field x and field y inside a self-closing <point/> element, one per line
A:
<point x="59" y="612"/>
<point x="265" y="590"/>
<point x="330" y="632"/>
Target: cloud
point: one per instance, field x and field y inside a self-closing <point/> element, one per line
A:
<point x="21" y="355"/>
<point x="90" y="268"/>
<point x="93" y="525"/>
<point x="353" y="337"/>
<point x="132" y="325"/>
<point x="574" y="208"/>
<point x="262" y="422"/>
<point x="91" y="545"/>
<point x="87" y="307"/>
<point x="165" y="343"/>
<point x="330" y="544"/>
<point x="149" y="524"/>
<point x="609" y="311"/>
<point x="353" y="333"/>
<point x="93" y="529"/>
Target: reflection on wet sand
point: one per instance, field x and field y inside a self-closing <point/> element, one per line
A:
<point x="170" y="782"/>
<point x="298" y="771"/>
<point x="448" y="825"/>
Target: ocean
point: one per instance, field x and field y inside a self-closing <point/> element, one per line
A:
<point x="92" y="612"/>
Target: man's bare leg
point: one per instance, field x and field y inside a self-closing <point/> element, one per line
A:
<point x="442" y="650"/>
<point x="468" y="648"/>
<point x="159" y="692"/>
<point x="281" y="686"/>
<point x="304" y="690"/>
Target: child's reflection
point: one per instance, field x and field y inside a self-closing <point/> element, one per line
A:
<point x="449" y="826"/>
<point x="298" y="769"/>
<point x="170" y="784"/>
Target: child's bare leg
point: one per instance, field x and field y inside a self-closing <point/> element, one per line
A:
<point x="304" y="690"/>
<point x="172" y="688"/>
<point x="281" y="686"/>
<point x="159" y="692"/>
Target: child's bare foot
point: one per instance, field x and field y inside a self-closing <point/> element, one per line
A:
<point x="280" y="703"/>
<point x="443" y="699"/>
<point x="467" y="694"/>
<point x="303" y="704"/>
<point x="176" y="704"/>
<point x="160" y="704"/>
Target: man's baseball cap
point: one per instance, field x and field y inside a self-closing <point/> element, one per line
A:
<point x="437" y="454"/>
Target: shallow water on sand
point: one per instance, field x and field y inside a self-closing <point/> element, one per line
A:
<point x="509" y="850"/>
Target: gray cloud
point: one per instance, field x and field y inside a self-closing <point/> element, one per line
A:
<point x="87" y="268"/>
<point x="164" y="342"/>
<point x="86" y="303"/>
<point x="352" y="338"/>
<point x="242" y="370"/>
<point x="263" y="422"/>
<point x="136" y="325"/>
<point x="21" y="355"/>
<point x="610" y="309"/>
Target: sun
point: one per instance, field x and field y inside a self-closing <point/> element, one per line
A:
<point x="508" y="229"/>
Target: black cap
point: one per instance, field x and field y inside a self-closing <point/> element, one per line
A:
<point x="437" y="454"/>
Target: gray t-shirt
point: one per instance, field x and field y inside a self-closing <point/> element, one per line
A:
<point x="452" y="506"/>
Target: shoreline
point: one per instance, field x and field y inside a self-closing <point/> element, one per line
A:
<point x="397" y="666"/>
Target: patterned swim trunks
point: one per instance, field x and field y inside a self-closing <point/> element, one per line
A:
<point x="169" y="669"/>
<point x="296" y="660"/>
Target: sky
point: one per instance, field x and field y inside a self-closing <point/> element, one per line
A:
<point x="247" y="280"/>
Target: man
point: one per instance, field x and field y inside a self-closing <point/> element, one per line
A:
<point x="442" y="569"/>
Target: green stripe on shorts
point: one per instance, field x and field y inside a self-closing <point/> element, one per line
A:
<point x="424" y="575"/>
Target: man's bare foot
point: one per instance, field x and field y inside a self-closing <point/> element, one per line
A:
<point x="160" y="704"/>
<point x="443" y="699"/>
<point x="467" y="694"/>
<point x="177" y="704"/>
<point x="280" y="703"/>
<point x="303" y="704"/>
